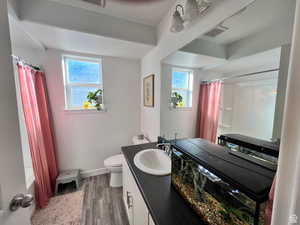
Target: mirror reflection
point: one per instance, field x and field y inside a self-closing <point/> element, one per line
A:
<point x="231" y="80"/>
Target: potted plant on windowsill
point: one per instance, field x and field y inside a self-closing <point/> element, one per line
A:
<point x="95" y="99"/>
<point x="176" y="100"/>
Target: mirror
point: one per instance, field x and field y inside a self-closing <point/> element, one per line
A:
<point x="233" y="78"/>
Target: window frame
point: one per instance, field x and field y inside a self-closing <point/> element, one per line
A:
<point x="68" y="85"/>
<point x="190" y="88"/>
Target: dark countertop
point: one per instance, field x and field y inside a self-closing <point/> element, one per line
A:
<point x="165" y="205"/>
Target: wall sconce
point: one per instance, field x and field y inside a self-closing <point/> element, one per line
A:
<point x="193" y="9"/>
<point x="177" y="20"/>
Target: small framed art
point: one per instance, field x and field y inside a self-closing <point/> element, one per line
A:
<point x="148" y="86"/>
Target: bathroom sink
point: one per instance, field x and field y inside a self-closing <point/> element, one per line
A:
<point x="153" y="161"/>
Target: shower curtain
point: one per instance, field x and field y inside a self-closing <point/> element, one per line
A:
<point x="269" y="206"/>
<point x="209" y="101"/>
<point x="39" y="131"/>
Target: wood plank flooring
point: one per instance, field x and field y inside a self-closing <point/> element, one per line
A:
<point x="102" y="204"/>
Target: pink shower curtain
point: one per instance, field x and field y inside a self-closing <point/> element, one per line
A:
<point x="209" y="101"/>
<point x="269" y="206"/>
<point x="39" y="130"/>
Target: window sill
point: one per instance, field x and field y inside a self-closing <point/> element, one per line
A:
<point x="83" y="111"/>
<point x="181" y="108"/>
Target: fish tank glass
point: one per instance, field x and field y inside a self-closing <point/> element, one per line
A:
<point x="215" y="201"/>
<point x="261" y="152"/>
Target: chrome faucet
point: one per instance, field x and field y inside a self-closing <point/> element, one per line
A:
<point x="166" y="147"/>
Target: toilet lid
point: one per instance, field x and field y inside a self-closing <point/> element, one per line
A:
<point x="115" y="160"/>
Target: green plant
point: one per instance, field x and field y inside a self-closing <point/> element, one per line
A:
<point x="241" y="213"/>
<point x="184" y="170"/>
<point x="226" y="216"/>
<point x="176" y="99"/>
<point x="95" y="98"/>
<point x="199" y="181"/>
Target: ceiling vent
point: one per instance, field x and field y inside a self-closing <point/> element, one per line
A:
<point x="100" y="3"/>
<point x="216" y="31"/>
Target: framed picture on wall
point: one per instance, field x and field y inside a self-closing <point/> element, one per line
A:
<point x="148" y="87"/>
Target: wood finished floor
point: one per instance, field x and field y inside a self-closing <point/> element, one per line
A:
<point x="102" y="205"/>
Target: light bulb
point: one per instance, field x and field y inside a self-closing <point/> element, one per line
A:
<point x="177" y="22"/>
<point x="191" y="10"/>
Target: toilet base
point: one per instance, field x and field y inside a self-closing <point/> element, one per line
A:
<point x="116" y="179"/>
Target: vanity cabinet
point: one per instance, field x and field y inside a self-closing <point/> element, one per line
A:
<point x="135" y="206"/>
<point x="127" y="192"/>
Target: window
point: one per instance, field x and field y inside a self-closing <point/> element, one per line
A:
<point x="182" y="84"/>
<point x="81" y="75"/>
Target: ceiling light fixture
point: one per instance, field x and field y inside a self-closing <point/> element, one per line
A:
<point x="204" y="5"/>
<point x="177" y="20"/>
<point x="193" y="9"/>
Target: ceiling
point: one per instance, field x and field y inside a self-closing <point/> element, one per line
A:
<point x="68" y="40"/>
<point x="258" y="16"/>
<point x="149" y="13"/>
<point x="212" y="65"/>
<point x="19" y="37"/>
<point x="191" y="60"/>
<point x="79" y="30"/>
<point x="266" y="60"/>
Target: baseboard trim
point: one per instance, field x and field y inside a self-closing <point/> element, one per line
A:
<point x="92" y="173"/>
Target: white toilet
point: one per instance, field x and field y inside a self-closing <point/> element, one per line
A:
<point x="114" y="166"/>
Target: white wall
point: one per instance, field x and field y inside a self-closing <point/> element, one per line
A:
<point x="180" y="121"/>
<point x="85" y="139"/>
<point x="248" y="106"/>
<point x="150" y="117"/>
<point x="281" y="89"/>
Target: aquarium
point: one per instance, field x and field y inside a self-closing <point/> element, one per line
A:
<point x="214" y="200"/>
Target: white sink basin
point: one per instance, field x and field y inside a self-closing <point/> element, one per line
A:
<point x="153" y="161"/>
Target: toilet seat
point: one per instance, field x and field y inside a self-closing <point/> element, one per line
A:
<point x="114" y="161"/>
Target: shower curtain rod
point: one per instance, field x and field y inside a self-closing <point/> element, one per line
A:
<point x="18" y="59"/>
<point x="241" y="75"/>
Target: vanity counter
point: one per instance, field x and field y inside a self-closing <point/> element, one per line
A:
<point x="164" y="203"/>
